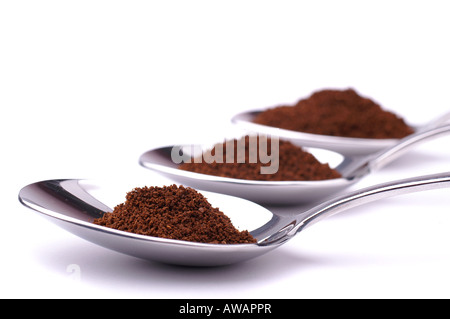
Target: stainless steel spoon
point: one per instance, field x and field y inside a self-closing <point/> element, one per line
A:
<point x="352" y="169"/>
<point x="345" y="145"/>
<point x="73" y="204"/>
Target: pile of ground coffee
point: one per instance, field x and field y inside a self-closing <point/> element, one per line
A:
<point x="337" y="113"/>
<point x="174" y="212"/>
<point x="294" y="164"/>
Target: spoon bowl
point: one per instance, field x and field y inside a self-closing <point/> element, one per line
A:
<point x="73" y="205"/>
<point x="266" y="192"/>
<point x="351" y="167"/>
<point x="349" y="146"/>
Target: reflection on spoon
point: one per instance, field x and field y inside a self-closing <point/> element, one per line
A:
<point x="352" y="169"/>
<point x="73" y="204"/>
<point x="345" y="145"/>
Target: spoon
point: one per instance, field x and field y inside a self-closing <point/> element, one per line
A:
<point x="343" y="145"/>
<point x="352" y="169"/>
<point x="73" y="204"/>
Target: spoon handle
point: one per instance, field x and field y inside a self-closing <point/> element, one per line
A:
<point x="354" y="199"/>
<point x="370" y="194"/>
<point x="386" y="156"/>
<point x="376" y="161"/>
<point x="440" y="120"/>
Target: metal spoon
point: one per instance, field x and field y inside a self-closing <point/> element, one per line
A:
<point x="344" y="145"/>
<point x="352" y="169"/>
<point x="72" y="205"/>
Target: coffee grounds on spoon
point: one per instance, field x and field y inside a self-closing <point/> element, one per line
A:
<point x="174" y="212"/>
<point x="337" y="113"/>
<point x="294" y="164"/>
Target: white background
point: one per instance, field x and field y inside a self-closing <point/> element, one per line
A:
<point x="87" y="86"/>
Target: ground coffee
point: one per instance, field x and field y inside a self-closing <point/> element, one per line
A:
<point x="337" y="113"/>
<point x="174" y="212"/>
<point x="294" y="164"/>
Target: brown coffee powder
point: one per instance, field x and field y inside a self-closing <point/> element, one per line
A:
<point x="294" y="164"/>
<point x="337" y="113"/>
<point x="174" y="212"/>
